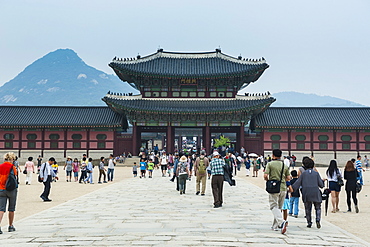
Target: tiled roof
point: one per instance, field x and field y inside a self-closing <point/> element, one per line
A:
<point x="188" y="105"/>
<point x="314" y="117"/>
<point x="189" y="65"/>
<point x="58" y="116"/>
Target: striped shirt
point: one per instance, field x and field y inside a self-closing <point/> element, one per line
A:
<point x="358" y="165"/>
<point x="217" y="166"/>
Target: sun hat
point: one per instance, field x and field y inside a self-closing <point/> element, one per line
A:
<point x="183" y="159"/>
<point x="216" y="153"/>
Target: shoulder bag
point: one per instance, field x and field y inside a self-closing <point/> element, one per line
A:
<point x="11" y="182"/>
<point x="339" y="179"/>
<point x="273" y="186"/>
<point x="39" y="178"/>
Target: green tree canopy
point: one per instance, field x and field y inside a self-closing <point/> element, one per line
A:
<point x="223" y="141"/>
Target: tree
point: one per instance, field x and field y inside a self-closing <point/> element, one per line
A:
<point x="223" y="141"/>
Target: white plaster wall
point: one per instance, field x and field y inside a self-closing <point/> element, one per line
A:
<point x="323" y="157"/>
<point x="343" y="157"/>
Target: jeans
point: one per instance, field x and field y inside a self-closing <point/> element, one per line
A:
<point x="110" y="174"/>
<point x="360" y="178"/>
<point x="182" y="182"/>
<point x="294" y="201"/>
<point x="308" y="209"/>
<point x="83" y="176"/>
<point x="89" y="177"/>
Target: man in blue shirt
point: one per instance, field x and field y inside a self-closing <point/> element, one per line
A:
<point x="359" y="169"/>
<point x="217" y="170"/>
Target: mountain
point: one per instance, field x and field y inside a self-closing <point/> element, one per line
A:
<point x="291" y="99"/>
<point x="61" y="78"/>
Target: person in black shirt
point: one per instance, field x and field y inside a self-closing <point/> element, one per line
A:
<point x="350" y="174"/>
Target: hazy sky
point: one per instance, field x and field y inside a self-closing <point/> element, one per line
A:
<point x="320" y="47"/>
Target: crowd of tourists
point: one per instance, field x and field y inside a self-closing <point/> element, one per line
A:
<point x="284" y="183"/>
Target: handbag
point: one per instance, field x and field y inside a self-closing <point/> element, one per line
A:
<point x="24" y="171"/>
<point x="358" y="187"/>
<point x="273" y="186"/>
<point x="340" y="179"/>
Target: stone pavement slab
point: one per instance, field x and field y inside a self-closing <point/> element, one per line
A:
<point x="150" y="212"/>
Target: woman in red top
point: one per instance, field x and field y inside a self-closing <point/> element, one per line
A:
<point x="5" y="195"/>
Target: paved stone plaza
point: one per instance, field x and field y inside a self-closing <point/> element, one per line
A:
<point x="150" y="212"/>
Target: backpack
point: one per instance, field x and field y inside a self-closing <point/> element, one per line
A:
<point x="11" y="182"/>
<point x="202" y="167"/>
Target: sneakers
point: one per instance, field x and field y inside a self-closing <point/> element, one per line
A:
<point x="295" y="216"/>
<point x="202" y="194"/>
<point x="99" y="182"/>
<point x="357" y="210"/>
<point x="283" y="227"/>
<point x="318" y="225"/>
<point x="11" y="229"/>
<point x="309" y="225"/>
<point x="105" y="182"/>
<point x="197" y="193"/>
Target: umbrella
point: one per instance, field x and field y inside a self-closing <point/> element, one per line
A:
<point x="325" y="197"/>
<point x="252" y="155"/>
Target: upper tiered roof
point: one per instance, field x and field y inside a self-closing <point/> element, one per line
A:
<point x="189" y="65"/>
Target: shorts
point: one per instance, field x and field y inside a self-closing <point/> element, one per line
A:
<point x="75" y="174"/>
<point x="150" y="170"/>
<point x="286" y="205"/>
<point x="143" y="171"/>
<point x="209" y="171"/>
<point x="163" y="167"/>
<point x="334" y="186"/>
<point x="69" y="173"/>
<point x="134" y="172"/>
<point x="5" y="196"/>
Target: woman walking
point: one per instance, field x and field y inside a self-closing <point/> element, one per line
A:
<point x="350" y="174"/>
<point x="76" y="168"/>
<point x="182" y="173"/>
<point x="29" y="167"/>
<point x="310" y="181"/>
<point x="333" y="174"/>
<point x="5" y="195"/>
<point x="68" y="167"/>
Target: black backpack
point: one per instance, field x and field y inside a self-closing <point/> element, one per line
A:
<point x="11" y="182"/>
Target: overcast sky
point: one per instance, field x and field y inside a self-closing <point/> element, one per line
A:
<point x="320" y="47"/>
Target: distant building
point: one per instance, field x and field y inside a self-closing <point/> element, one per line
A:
<point x="182" y="95"/>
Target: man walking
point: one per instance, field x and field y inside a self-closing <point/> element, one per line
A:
<point x="217" y="170"/>
<point x="47" y="174"/>
<point x="277" y="170"/>
<point x="111" y="165"/>
<point x="359" y="169"/>
<point x="200" y="169"/>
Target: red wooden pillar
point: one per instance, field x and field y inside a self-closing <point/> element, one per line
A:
<point x="169" y="139"/>
<point x="335" y="143"/>
<point x="241" y="137"/>
<point x="207" y="139"/>
<point x="134" y="150"/>
<point x="87" y="143"/>
<point x="20" y="142"/>
<point x="42" y="142"/>
<point x="289" y="142"/>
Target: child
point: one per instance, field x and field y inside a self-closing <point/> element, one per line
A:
<point x="55" y="170"/>
<point x="286" y="207"/>
<point x="150" y="168"/>
<point x="294" y="196"/>
<point x="134" y="170"/>
<point x="142" y="168"/>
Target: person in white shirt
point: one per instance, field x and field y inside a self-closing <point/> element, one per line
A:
<point x="286" y="161"/>
<point x="111" y="165"/>
<point x="164" y="162"/>
<point x="46" y="175"/>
